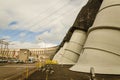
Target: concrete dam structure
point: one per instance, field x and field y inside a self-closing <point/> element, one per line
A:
<point x="91" y="49"/>
<point x="93" y="40"/>
<point x="73" y="42"/>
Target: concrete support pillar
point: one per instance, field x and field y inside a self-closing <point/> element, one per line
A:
<point x="102" y="47"/>
<point x="70" y="52"/>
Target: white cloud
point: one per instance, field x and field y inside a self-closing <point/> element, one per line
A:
<point x="55" y="34"/>
<point x="22" y="45"/>
<point x="22" y="34"/>
<point x="52" y="18"/>
<point x="33" y="15"/>
<point x="5" y="19"/>
<point x="6" y="37"/>
<point x="45" y="45"/>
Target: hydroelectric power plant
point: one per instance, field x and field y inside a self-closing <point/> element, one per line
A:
<point x="91" y="48"/>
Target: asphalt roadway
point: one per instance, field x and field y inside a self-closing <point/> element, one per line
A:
<point x="7" y="71"/>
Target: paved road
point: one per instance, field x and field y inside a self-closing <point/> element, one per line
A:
<point x="10" y="70"/>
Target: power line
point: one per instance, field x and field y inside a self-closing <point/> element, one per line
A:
<point x="66" y="12"/>
<point x="46" y="16"/>
<point x="38" y="15"/>
<point x="56" y="19"/>
<point x="49" y="15"/>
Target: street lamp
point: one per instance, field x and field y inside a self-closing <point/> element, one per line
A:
<point x="44" y="47"/>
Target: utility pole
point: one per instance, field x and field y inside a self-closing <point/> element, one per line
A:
<point x="1" y="49"/>
<point x="6" y="51"/>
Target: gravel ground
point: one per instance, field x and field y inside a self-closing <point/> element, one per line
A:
<point x="11" y="70"/>
<point x="63" y="73"/>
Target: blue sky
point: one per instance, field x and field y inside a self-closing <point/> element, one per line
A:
<point x="14" y="35"/>
<point x="32" y="23"/>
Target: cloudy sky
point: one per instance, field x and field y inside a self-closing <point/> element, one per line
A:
<point x="37" y="23"/>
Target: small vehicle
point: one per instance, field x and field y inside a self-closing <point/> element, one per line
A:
<point x="31" y="60"/>
<point x="13" y="61"/>
<point x="3" y="60"/>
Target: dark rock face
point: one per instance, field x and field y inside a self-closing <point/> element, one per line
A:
<point x="87" y="15"/>
<point x="85" y="19"/>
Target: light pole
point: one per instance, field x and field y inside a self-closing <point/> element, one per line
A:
<point x="44" y="45"/>
<point x="44" y="48"/>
